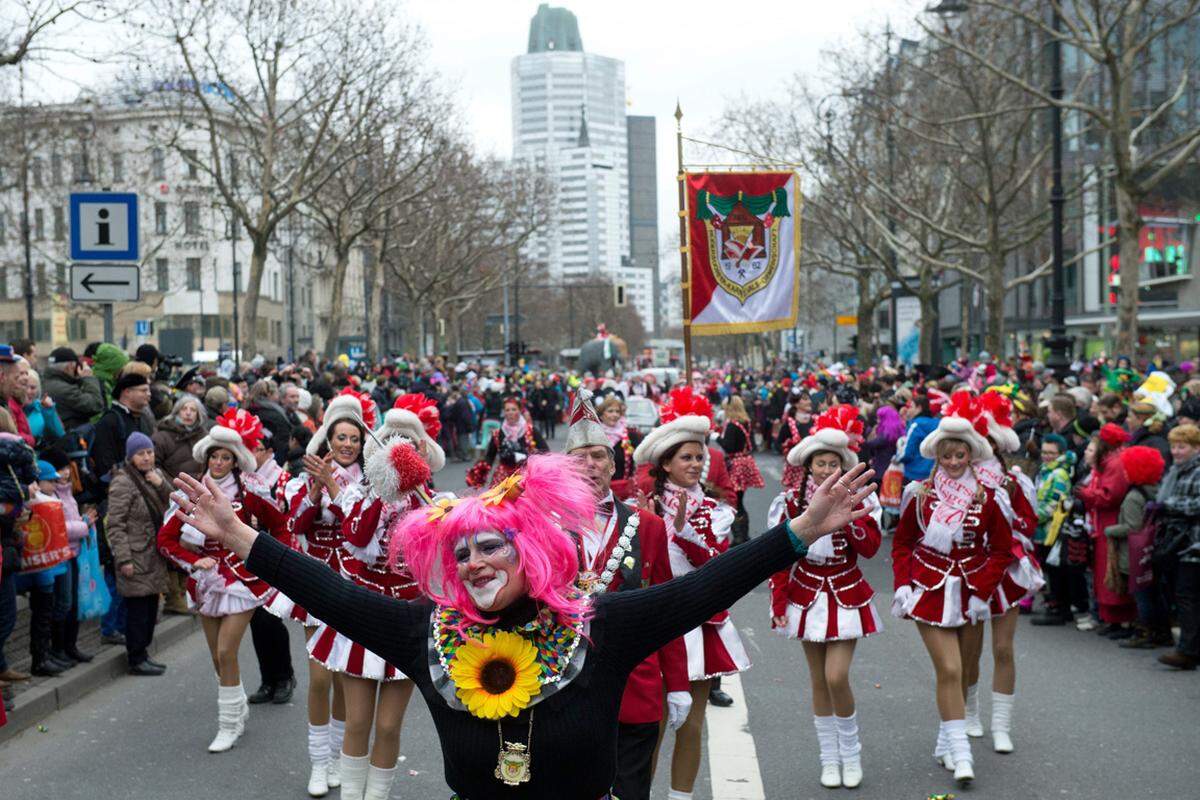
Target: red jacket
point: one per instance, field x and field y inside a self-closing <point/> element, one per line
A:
<point x="21" y="421"/>
<point x="980" y="559"/>
<point x="1102" y="495"/>
<point x="643" y="699"/>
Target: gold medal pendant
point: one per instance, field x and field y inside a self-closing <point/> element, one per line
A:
<point x="512" y="766"/>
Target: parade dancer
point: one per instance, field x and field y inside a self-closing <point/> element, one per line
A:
<point x="825" y="601"/>
<point x="738" y="443"/>
<point x="377" y="693"/>
<point x="950" y="551"/>
<point x="797" y="423"/>
<point x="698" y="527"/>
<point x="626" y="549"/>
<point x="332" y="463"/>
<point x="267" y="631"/>
<point x="220" y="588"/>
<point x="1017" y="499"/>
<point x="513" y="442"/>
<point x="527" y="675"/>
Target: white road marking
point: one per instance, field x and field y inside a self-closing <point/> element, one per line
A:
<point x="732" y="758"/>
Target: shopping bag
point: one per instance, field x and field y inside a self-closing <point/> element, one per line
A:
<point x="93" y="595"/>
<point x="44" y="535"/>
<point x="891" y="487"/>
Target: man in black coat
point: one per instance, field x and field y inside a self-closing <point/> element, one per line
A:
<point x="129" y="412"/>
<point x="264" y="405"/>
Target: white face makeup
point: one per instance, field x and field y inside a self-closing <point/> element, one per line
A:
<point x="484" y="563"/>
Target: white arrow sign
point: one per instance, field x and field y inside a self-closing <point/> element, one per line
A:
<point x="105" y="283"/>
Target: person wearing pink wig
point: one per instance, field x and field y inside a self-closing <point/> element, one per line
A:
<point x="504" y="649"/>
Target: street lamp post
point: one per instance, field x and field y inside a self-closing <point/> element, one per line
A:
<point x="1058" y="343"/>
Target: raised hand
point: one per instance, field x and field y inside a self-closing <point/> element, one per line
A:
<point x="206" y="508"/>
<point x="835" y="504"/>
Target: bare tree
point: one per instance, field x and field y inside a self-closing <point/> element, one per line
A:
<point x="282" y="92"/>
<point x="1117" y="42"/>
<point x="26" y="25"/>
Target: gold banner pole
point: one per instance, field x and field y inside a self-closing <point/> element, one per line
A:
<point x="685" y="278"/>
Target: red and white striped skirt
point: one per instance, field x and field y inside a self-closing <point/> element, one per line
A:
<point x="713" y="650"/>
<point x="945" y="606"/>
<point x="825" y="620"/>
<point x="744" y="474"/>
<point x="336" y="653"/>
<point x="282" y="606"/>
<point x="1022" y="578"/>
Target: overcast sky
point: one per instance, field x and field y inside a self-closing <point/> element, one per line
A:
<point x="703" y="52"/>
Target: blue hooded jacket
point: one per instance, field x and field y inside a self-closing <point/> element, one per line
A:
<point x="916" y="466"/>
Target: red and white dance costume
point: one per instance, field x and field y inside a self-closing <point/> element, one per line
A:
<point x="508" y="448"/>
<point x="793" y="474"/>
<point x="715" y="648"/>
<point x="825" y="596"/>
<point x="743" y="472"/>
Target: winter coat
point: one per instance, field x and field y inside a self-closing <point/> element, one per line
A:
<point x="1053" y="484"/>
<point x="77" y="400"/>
<point x="173" y="447"/>
<point x="1179" y="500"/>
<point x="113" y="428"/>
<point x="1103" y="494"/>
<point x="18" y="469"/>
<point x="132" y="530"/>
<point x="77" y="526"/>
<point x="1146" y="436"/>
<point x="107" y="363"/>
<point x="1129" y="519"/>
<point x="916" y="466"/>
<point x="44" y="424"/>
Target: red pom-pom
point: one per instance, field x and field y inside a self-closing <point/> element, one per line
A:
<point x="999" y="406"/>
<point x="365" y="400"/>
<point x="411" y="469"/>
<point x="683" y="402"/>
<point x="425" y="409"/>
<point x="1113" y="435"/>
<point x="247" y="426"/>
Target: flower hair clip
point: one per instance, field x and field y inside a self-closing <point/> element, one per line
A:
<point x="508" y="489"/>
<point x="440" y="508"/>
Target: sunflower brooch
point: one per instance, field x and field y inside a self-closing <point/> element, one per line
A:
<point x="496" y="675"/>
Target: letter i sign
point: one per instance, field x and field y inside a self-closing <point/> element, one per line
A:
<point x="104" y="227"/>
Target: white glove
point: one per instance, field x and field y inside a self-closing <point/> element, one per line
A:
<point x="902" y="601"/>
<point x="978" y="610"/>
<point x="679" y="705"/>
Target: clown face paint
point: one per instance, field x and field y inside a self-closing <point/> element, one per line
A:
<point x="486" y="563"/>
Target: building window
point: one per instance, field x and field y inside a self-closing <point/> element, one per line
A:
<point x="158" y="166"/>
<point x="41" y="330"/>
<point x="60" y="277"/>
<point x="163" y="273"/>
<point x="160" y="218"/>
<point x="77" y="328"/>
<point x="36" y="165"/>
<point x="118" y="167"/>
<point x="190" y="163"/>
<point x="60" y="224"/>
<point x="79" y="167"/>
<point x="193" y="274"/>
<point x="191" y="218"/>
<point x="56" y="175"/>
<point x="39" y="279"/>
<point x="39" y="224"/>
<point x="3" y="228"/>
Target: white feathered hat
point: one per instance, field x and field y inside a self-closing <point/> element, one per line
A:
<point x="686" y="417"/>
<point x="831" y="432"/>
<point x="416" y="418"/>
<point x="963" y="420"/>
<point x="237" y="431"/>
<point x="349" y="405"/>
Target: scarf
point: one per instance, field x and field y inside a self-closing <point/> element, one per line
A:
<point x="269" y="472"/>
<point x="229" y="487"/>
<point x="513" y="431"/>
<point x="670" y="503"/>
<point x="945" y="526"/>
<point x="991" y="474"/>
<point x="615" y="433"/>
<point x="154" y="503"/>
<point x="822" y="548"/>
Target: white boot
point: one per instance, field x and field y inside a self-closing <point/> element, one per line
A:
<point x="232" y="711"/>
<point x="850" y="751"/>
<point x="827" y="739"/>
<point x="379" y="783"/>
<point x="354" y="776"/>
<point x="941" y="750"/>
<point x="960" y="750"/>
<point x="318" y="754"/>
<point x="337" y="732"/>
<point x="676" y="794"/>
<point x="974" y="723"/>
<point x="1002" y="722"/>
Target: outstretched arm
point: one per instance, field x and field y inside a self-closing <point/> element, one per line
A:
<point x="394" y="629"/>
<point x="637" y="623"/>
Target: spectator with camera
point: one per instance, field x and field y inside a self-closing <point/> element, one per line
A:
<point x="75" y="391"/>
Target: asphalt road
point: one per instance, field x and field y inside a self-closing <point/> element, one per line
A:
<point x="1091" y="721"/>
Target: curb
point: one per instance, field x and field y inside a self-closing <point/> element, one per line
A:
<point x="38" y="702"/>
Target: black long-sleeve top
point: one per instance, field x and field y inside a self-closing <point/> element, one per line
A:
<point x="574" y="739"/>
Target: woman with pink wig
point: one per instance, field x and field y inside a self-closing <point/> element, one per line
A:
<point x="523" y="675"/>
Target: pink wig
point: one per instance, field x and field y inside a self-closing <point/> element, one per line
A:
<point x="556" y="497"/>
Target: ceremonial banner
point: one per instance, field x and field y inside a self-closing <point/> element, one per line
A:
<point x="743" y="251"/>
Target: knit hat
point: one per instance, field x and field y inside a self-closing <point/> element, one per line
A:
<point x="46" y="471"/>
<point x="136" y="443"/>
<point x="130" y="380"/>
<point x="1143" y="465"/>
<point x="1113" y="435"/>
<point x="831" y="432"/>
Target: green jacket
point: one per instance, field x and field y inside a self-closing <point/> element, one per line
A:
<point x="1129" y="519"/>
<point x="107" y="363"/>
<point x="1053" y="484"/>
